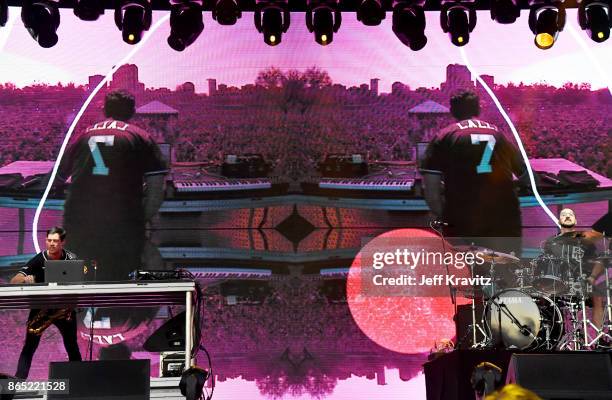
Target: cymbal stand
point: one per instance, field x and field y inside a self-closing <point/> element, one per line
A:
<point x="486" y="339"/>
<point x="571" y="340"/>
<point x="606" y="326"/>
<point x="578" y="254"/>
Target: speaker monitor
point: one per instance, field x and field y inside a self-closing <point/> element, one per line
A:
<point x="103" y="380"/>
<point x="583" y="376"/>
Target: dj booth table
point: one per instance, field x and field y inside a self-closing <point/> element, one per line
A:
<point x="111" y="294"/>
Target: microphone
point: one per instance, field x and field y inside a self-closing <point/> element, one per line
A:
<point x="438" y="223"/>
<point x="526" y="331"/>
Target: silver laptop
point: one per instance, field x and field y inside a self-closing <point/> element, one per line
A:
<point x="65" y="271"/>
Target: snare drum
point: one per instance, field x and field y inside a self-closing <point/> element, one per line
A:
<point x="524" y="277"/>
<point x="518" y="320"/>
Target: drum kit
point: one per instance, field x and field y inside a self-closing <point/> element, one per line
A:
<point x="540" y="305"/>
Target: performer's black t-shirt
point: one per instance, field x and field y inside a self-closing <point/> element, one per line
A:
<point x="107" y="163"/>
<point x="476" y="162"/>
<point x="36" y="265"/>
<point x="571" y="247"/>
<point x="566" y="245"/>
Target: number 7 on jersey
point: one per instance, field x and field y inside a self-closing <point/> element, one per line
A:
<point x="485" y="162"/>
<point x="100" y="167"/>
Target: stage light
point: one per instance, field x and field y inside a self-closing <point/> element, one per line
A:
<point x="89" y="10"/>
<point x="546" y="20"/>
<point x="409" y="23"/>
<point x="3" y="12"/>
<point x="41" y="19"/>
<point x="186" y="24"/>
<point x="272" y="19"/>
<point x="192" y="382"/>
<point x="594" y="18"/>
<point x="323" y="18"/>
<point x="226" y="12"/>
<point x="458" y="19"/>
<point x="370" y="12"/>
<point x="505" y="11"/>
<point x="133" y="17"/>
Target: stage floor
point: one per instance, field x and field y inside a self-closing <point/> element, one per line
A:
<point x="240" y="389"/>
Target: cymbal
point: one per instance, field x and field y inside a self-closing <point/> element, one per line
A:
<point x="473" y="249"/>
<point x="500" y="258"/>
<point x="603" y="258"/>
<point x="489" y="255"/>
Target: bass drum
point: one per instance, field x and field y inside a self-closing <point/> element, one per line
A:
<point x="517" y="320"/>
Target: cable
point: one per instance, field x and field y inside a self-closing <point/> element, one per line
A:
<point x="210" y="372"/>
<point x="76" y="120"/>
<point x="519" y="142"/>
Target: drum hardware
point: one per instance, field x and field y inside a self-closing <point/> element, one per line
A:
<point x="475" y="292"/>
<point x="606" y="327"/>
<point x="572" y="341"/>
<point x="582" y="296"/>
<point x="486" y="339"/>
<point x="524" y="278"/>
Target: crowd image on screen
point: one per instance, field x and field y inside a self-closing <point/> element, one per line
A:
<point x="296" y="118"/>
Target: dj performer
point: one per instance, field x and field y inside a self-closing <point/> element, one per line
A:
<point x="40" y="320"/>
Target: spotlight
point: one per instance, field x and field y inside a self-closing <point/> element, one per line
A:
<point x="192" y="382"/>
<point x="546" y="20"/>
<point x="226" y="12"/>
<point x="409" y="23"/>
<point x="186" y="24"/>
<point x="370" y="12"/>
<point x="323" y="18"/>
<point x="41" y="19"/>
<point x="505" y="11"/>
<point x="458" y="19"/>
<point x="3" y="12"/>
<point x="133" y="17"/>
<point x="272" y="19"/>
<point x="594" y="17"/>
<point x="89" y="10"/>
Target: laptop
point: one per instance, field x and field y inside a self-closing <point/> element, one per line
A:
<point x="65" y="271"/>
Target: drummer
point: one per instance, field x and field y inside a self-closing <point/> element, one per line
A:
<point x="602" y="227"/>
<point x="564" y="245"/>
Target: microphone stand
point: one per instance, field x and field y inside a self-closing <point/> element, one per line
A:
<point x="437" y="225"/>
<point x="92" y="310"/>
<point x="501" y="307"/>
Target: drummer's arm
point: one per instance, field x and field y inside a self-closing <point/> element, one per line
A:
<point x="598" y="269"/>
